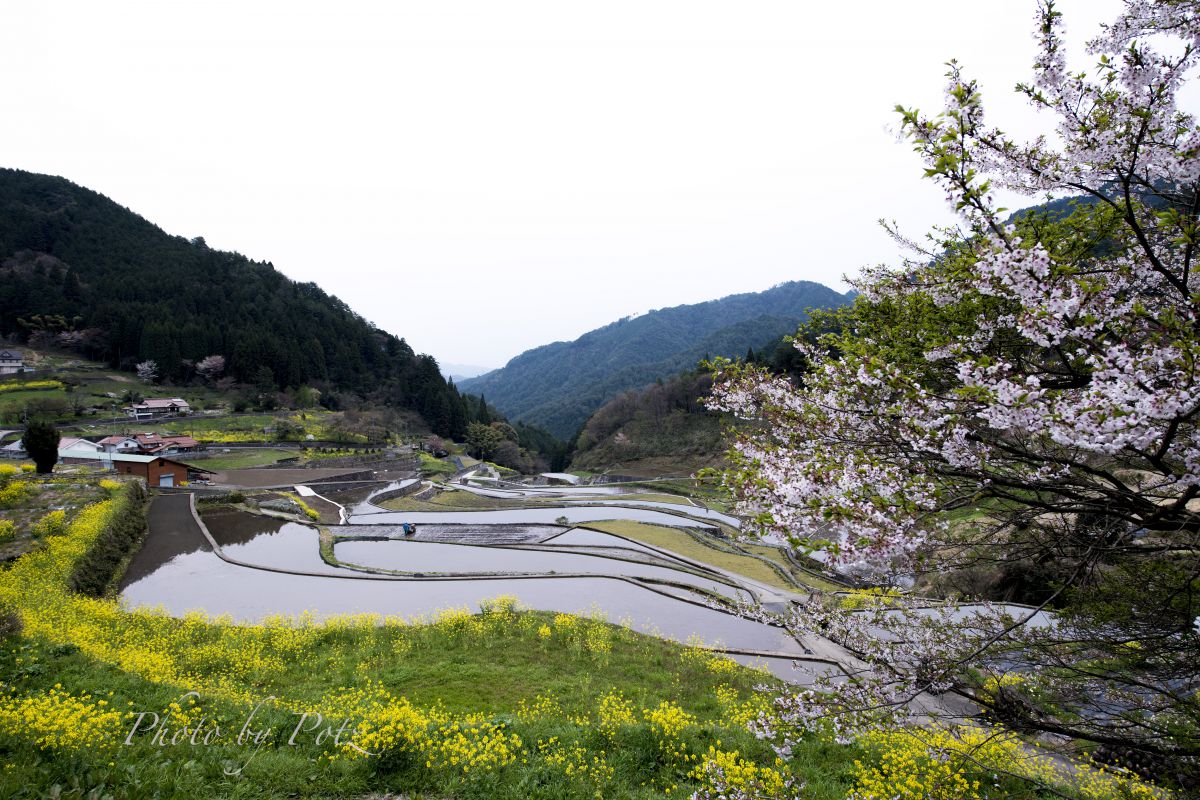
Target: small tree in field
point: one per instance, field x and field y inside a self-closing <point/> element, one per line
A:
<point x="41" y="443"/>
<point x="1013" y="411"/>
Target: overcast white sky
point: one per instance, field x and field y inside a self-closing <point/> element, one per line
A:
<point x="485" y="177"/>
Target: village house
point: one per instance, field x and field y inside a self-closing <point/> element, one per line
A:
<point x="155" y="444"/>
<point x="158" y="407"/>
<point x="78" y="451"/>
<point x="119" y="444"/>
<point x="156" y="471"/>
<point x="11" y="362"/>
<point x="149" y="444"/>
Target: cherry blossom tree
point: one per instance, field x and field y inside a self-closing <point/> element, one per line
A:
<point x="147" y="371"/>
<point x="1015" y="407"/>
<point x="210" y="367"/>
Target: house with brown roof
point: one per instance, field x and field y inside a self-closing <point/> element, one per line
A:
<point x="156" y="471"/>
<point x="156" y="444"/>
<point x="158" y="407"/>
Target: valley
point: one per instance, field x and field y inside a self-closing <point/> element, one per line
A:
<point x="933" y="538"/>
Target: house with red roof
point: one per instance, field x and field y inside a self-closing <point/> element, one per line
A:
<point x="119" y="444"/>
<point x="157" y="444"/>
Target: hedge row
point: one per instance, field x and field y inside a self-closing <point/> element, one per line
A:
<point x="97" y="569"/>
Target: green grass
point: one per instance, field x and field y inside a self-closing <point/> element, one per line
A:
<point x="682" y="543"/>
<point x="649" y="497"/>
<point x="489" y="671"/>
<point x="804" y="577"/>
<point x="710" y="494"/>
<point x="241" y="459"/>
<point x="444" y="501"/>
<point x="431" y="466"/>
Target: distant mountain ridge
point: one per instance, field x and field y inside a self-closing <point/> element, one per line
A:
<point x="460" y="372"/>
<point x="559" y="385"/>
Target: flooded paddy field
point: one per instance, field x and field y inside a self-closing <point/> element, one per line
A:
<point x="572" y="515"/>
<point x="434" y="557"/>
<point x="251" y="567"/>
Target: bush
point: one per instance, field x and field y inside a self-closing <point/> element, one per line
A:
<point x="13" y="494"/>
<point x="96" y="570"/>
<point x="8" y="529"/>
<point x="53" y="524"/>
<point x="31" y="386"/>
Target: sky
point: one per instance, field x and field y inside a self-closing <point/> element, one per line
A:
<point x="483" y="177"/>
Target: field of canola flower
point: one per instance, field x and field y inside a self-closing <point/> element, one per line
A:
<point x="97" y="700"/>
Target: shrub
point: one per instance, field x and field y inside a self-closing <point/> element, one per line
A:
<point x="96" y="569"/>
<point x="7" y="473"/>
<point x="31" y="386"/>
<point x="8" y="529"/>
<point x="308" y="510"/>
<point x="53" y="524"/>
<point x="13" y="494"/>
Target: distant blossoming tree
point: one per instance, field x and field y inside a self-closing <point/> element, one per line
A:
<point x="210" y="367"/>
<point x="1013" y="413"/>
<point x="147" y="371"/>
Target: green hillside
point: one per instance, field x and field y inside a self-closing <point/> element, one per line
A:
<point x="559" y="385"/>
<point x="79" y="271"/>
<point x="663" y="429"/>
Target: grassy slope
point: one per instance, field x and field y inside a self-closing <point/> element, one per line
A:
<point x="242" y="459"/>
<point x="679" y="542"/>
<point x="89" y="384"/>
<point x="447" y="501"/>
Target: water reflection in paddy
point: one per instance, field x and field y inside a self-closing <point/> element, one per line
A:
<point x="695" y="511"/>
<point x="192" y="577"/>
<point x="409" y="556"/>
<point x="267" y="541"/>
<point x="201" y="581"/>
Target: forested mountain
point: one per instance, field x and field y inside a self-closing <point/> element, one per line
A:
<point x="662" y="429"/>
<point x="559" y="385"/>
<point x="78" y="268"/>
